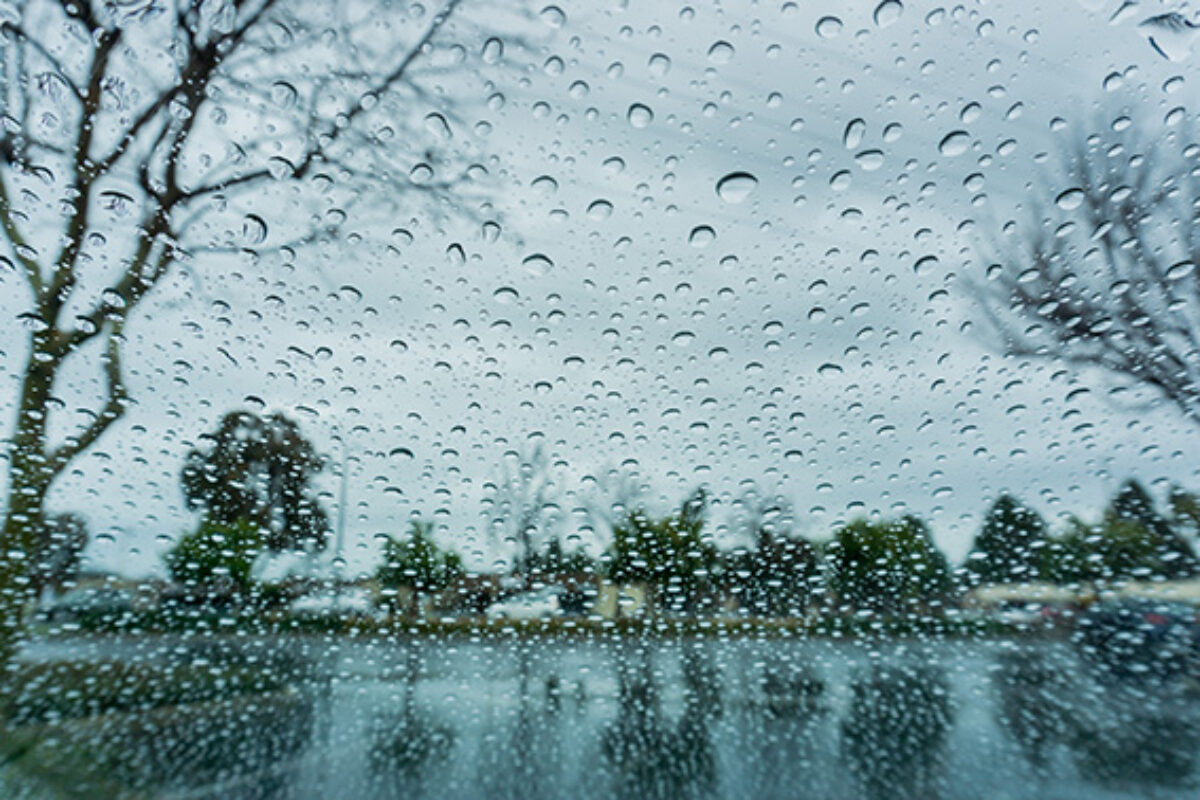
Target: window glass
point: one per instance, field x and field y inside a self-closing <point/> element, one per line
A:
<point x="493" y="399"/>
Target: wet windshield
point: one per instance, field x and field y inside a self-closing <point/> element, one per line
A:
<point x="503" y="399"/>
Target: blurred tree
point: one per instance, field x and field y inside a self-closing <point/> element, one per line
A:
<point x="1103" y="273"/>
<point x="216" y="559"/>
<point x="776" y="575"/>
<point x="258" y="469"/>
<point x="553" y="560"/>
<point x="890" y="566"/>
<point x="1171" y="556"/>
<point x="671" y="555"/>
<point x="1008" y="546"/>
<point x="1131" y="542"/>
<point x="140" y="136"/>
<point x="418" y="564"/>
<point x="59" y="550"/>
<point x="523" y="506"/>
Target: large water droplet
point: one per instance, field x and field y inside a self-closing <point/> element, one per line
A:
<point x="887" y="12"/>
<point x="660" y="65"/>
<point x="720" y="53"/>
<point x="537" y="264"/>
<point x="1070" y="200"/>
<point x="829" y="27"/>
<point x="599" y="209"/>
<point x="736" y="186"/>
<point x="954" y="143"/>
<point x="254" y="229"/>
<point x="701" y="236"/>
<point x="640" y="115"/>
<point x="853" y="136"/>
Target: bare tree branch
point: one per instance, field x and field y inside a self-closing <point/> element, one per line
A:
<point x="114" y="406"/>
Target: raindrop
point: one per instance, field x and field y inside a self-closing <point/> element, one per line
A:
<point x="537" y="264"/>
<point x="720" y="53"/>
<point x="254" y="229"/>
<point x="436" y="124"/>
<point x="869" y="160"/>
<point x="401" y="452"/>
<point x="506" y="295"/>
<point x="660" y="65"/>
<point x="599" y="210"/>
<point x="640" y="115"/>
<point x="1070" y="200"/>
<point x="544" y="185"/>
<point x="853" y="136"/>
<point x="829" y="27"/>
<point x="553" y="16"/>
<point x="701" y="236"/>
<point x="1180" y="270"/>
<point x="493" y="50"/>
<point x="954" y="143"/>
<point x="736" y="186"/>
<point x="887" y="12"/>
<point x="421" y="173"/>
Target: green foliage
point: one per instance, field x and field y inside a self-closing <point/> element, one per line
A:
<point x="417" y="562"/>
<point x="888" y="566"/>
<point x="1131" y="542"/>
<point x="1008" y="547"/>
<point x="217" y="556"/>
<point x="552" y="560"/>
<point x="670" y="554"/>
<point x="255" y="468"/>
<point x="776" y="577"/>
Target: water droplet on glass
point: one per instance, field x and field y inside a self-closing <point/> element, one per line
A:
<point x="436" y="124"/>
<point x="853" y="136"/>
<point x="493" y="50"/>
<point x="720" y="53"/>
<point x="1070" y="200"/>
<point x="553" y="16"/>
<point x="660" y="65"/>
<point x="954" y="143"/>
<point x="887" y="12"/>
<point x="869" y="160"/>
<point x="537" y="264"/>
<point x="829" y="27"/>
<point x="254" y="229"/>
<point x="640" y="115"/>
<point x="701" y="236"/>
<point x="736" y="186"/>
<point x="421" y="173"/>
<point x="599" y="210"/>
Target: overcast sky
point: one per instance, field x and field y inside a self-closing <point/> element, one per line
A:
<point x="791" y="332"/>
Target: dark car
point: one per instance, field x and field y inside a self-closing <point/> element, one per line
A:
<point x="1140" y="637"/>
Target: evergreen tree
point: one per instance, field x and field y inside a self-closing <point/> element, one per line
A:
<point x="1007" y="547"/>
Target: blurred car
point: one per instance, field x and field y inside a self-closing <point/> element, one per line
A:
<point x="529" y="605"/>
<point x="1140" y="637"/>
<point x="89" y="601"/>
<point x="330" y="604"/>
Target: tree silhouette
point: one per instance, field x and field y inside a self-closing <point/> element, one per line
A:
<point x="140" y="135"/>
<point x="1008" y="546"/>
<point x="258" y="469"/>
<point x="1103" y="273"/>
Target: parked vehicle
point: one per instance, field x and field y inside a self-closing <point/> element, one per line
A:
<point x="1136" y="637"/>
<point x="529" y="605"/>
<point x="89" y="601"/>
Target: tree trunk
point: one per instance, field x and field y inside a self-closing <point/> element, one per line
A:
<point x="30" y="475"/>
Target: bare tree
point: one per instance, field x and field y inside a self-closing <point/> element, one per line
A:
<point x="1103" y="275"/>
<point x="139" y="134"/>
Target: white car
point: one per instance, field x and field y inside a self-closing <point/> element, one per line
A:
<point x="530" y="605"/>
